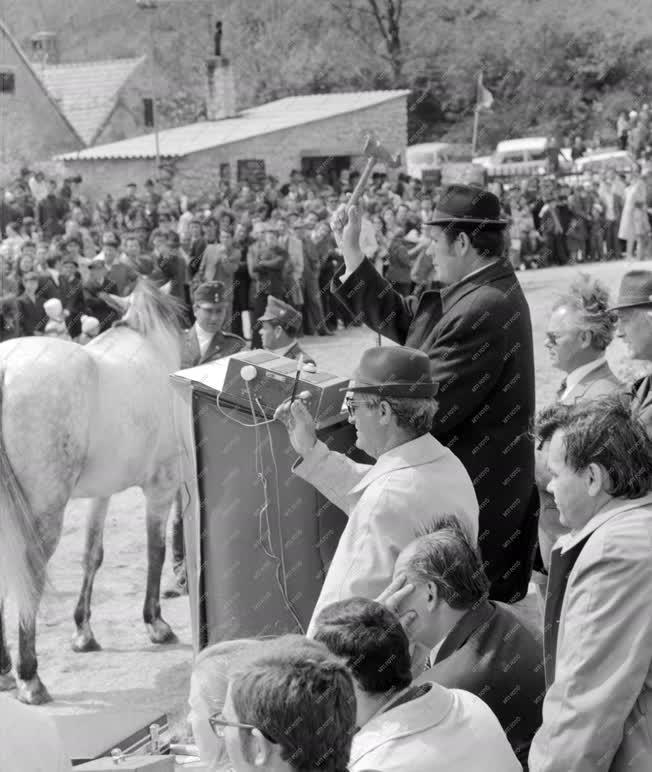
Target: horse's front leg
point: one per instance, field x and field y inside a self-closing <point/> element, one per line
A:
<point x="7" y="680"/>
<point x="83" y="639"/>
<point x="160" y="493"/>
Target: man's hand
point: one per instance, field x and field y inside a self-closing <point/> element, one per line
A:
<point x="299" y="423"/>
<point x="346" y="223"/>
<point x="392" y="598"/>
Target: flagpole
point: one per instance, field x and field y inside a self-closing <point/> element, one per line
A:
<point x="474" y="141"/>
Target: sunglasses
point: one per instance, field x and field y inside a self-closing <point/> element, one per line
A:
<point x="218" y="723"/>
<point x="351" y="405"/>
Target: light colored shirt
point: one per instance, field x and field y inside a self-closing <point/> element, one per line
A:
<point x="442" y="730"/>
<point x="29" y="739"/>
<point x="203" y="338"/>
<point x="574" y="378"/>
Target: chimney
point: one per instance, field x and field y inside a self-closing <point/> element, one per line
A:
<point x="45" y="48"/>
<point x="220" y="96"/>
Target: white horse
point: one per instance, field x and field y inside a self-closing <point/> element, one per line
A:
<point x="84" y="422"/>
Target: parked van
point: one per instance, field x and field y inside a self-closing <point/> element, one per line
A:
<point x="606" y="158"/>
<point x="521" y="157"/>
<point x="443" y="163"/>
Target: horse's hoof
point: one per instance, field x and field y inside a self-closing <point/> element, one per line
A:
<point x="161" y="632"/>
<point x="7" y="682"/>
<point x="33" y="692"/>
<point x="82" y="643"/>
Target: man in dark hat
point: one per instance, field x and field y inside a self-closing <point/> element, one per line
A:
<point x="414" y="482"/>
<point x="634" y="309"/>
<point x="280" y="325"/>
<point x="204" y="342"/>
<point x="477" y="334"/>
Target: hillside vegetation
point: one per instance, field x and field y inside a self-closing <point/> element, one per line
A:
<point x="552" y="65"/>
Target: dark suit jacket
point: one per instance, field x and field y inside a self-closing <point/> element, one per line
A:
<point x="493" y="655"/>
<point x="223" y="344"/>
<point x="478" y="336"/>
<point x="72" y="299"/>
<point x="641" y="393"/>
<point x="31" y="315"/>
<point x="105" y="314"/>
<point x="597" y="383"/>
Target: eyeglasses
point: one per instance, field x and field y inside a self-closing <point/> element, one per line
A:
<point x="351" y="405"/>
<point x="218" y="723"/>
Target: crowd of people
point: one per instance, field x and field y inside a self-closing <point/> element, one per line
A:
<point x="272" y="239"/>
<point x="414" y="658"/>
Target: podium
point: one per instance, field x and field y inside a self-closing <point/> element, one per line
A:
<point x="258" y="539"/>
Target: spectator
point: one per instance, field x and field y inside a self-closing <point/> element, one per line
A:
<point x="51" y="212"/>
<point x="313" y="253"/>
<point x="220" y="262"/>
<point x="291" y="708"/>
<point x="478" y="338"/>
<point x="580" y="329"/>
<point x="96" y="289"/>
<point x="267" y="269"/>
<point x="206" y="341"/>
<point x="422" y="727"/>
<point x="31" y="314"/>
<point x="622" y="128"/>
<point x="634" y="309"/>
<point x="598" y="653"/>
<point x="55" y="326"/>
<point x="578" y="149"/>
<point x="121" y="274"/>
<point x="72" y="296"/>
<point x="475" y="644"/>
<point x="281" y="325"/>
<point x="391" y="402"/>
<point x="613" y="207"/>
<point x="634" y="225"/>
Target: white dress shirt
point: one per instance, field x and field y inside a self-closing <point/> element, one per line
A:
<point x="579" y="373"/>
<point x="203" y="338"/>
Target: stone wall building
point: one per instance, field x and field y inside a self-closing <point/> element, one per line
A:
<point x="321" y="132"/>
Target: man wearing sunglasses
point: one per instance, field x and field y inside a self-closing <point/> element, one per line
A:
<point x="580" y="328"/>
<point x="292" y="708"/>
<point x="414" y="482"/>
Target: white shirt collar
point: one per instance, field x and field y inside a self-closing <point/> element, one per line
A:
<point x="203" y="338"/>
<point x="579" y="373"/>
<point x="569" y="540"/>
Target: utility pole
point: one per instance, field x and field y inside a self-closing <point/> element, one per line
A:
<point x="151" y="6"/>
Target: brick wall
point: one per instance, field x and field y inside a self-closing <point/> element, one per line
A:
<point x="282" y="151"/>
<point x="31" y="128"/>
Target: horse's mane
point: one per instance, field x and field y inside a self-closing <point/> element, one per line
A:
<point x="154" y="315"/>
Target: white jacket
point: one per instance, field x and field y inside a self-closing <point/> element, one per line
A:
<point x="445" y="730"/>
<point x="405" y="491"/>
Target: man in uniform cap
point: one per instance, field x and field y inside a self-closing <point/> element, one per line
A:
<point x="204" y="342"/>
<point x="280" y="325"/>
<point x="634" y="309"/>
<point x="414" y="482"/>
<point x="477" y="334"/>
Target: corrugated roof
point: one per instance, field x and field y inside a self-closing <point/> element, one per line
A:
<point x="265" y="119"/>
<point x="87" y="91"/>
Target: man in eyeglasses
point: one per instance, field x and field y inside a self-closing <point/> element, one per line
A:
<point x="580" y="328"/>
<point x="292" y="708"/>
<point x="414" y="482"/>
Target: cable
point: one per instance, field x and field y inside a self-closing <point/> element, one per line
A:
<point x="241" y="423"/>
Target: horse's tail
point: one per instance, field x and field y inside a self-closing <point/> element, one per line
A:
<point x="22" y="561"/>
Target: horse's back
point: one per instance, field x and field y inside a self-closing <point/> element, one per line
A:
<point x="47" y="394"/>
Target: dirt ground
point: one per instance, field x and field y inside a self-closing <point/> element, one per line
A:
<point x="130" y="672"/>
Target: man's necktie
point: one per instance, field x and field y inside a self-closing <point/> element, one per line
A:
<point x="561" y="389"/>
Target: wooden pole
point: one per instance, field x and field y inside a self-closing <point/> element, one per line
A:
<point x="474" y="141"/>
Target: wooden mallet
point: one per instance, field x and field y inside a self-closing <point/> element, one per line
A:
<point x="374" y="152"/>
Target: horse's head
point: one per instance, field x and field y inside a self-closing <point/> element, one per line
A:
<point x="154" y="314"/>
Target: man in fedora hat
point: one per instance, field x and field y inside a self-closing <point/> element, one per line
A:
<point x="634" y="309"/>
<point x="414" y="482"/>
<point x="477" y="334"/>
<point x="204" y="342"/>
<point x="280" y="325"/>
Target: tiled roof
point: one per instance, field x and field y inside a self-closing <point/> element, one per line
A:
<point x="87" y="91"/>
<point x="265" y="119"/>
<point x="6" y="34"/>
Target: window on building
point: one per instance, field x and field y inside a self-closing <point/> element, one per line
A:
<point x="251" y="170"/>
<point x="7" y="82"/>
<point x="148" y="112"/>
